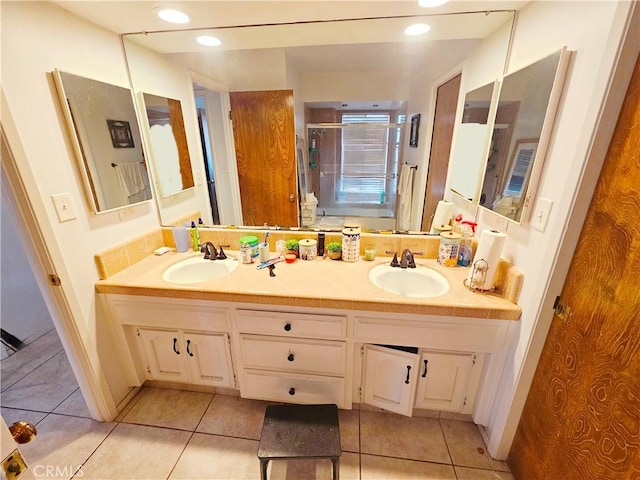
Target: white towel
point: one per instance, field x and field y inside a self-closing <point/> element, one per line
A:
<point x="405" y="197"/>
<point x="131" y="178"/>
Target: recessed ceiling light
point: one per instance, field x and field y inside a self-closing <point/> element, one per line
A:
<point x="172" y="16"/>
<point x="417" y="29"/>
<point x="431" y="3"/>
<point x="208" y="41"/>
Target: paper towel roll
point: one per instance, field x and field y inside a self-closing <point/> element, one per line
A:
<point x="443" y="214"/>
<point x="489" y="249"/>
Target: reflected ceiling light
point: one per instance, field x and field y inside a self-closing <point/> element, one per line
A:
<point x="172" y="16"/>
<point x="417" y="29"/>
<point x="431" y="3"/>
<point x="208" y="41"/>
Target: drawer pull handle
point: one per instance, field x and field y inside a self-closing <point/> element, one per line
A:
<point x="189" y="343"/>
<point x="424" y="374"/>
<point x="290" y="357"/>
<point x="408" y="374"/>
<point x="287" y="327"/>
<point x="175" y="350"/>
<point x="292" y="391"/>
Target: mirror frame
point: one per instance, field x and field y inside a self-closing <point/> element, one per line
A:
<point x="532" y="177"/>
<point x="182" y="147"/>
<point x="79" y="144"/>
<point x="486" y="143"/>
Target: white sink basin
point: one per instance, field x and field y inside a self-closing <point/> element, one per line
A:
<point x="419" y="282"/>
<point x="198" y="270"/>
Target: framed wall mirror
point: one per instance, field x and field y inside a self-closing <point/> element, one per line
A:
<point x="471" y="144"/>
<point x="523" y="123"/>
<point x="106" y="140"/>
<point x="169" y="151"/>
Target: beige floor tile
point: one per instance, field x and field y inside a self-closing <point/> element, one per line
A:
<point x="12" y="415"/>
<point x="63" y="444"/>
<point x="44" y="388"/>
<point x="349" y="430"/>
<point x="467" y="448"/>
<point x="466" y="473"/>
<point x="136" y="452"/>
<point x="385" y="468"/>
<point x="314" y="469"/>
<point x="402" y="437"/>
<point x="74" y="405"/>
<point x="162" y="407"/>
<point x="216" y="457"/>
<point x="29" y="358"/>
<point x="234" y="417"/>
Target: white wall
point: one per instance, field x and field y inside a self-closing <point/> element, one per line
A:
<point x="24" y="313"/>
<point x="593" y="31"/>
<point x="38" y="38"/>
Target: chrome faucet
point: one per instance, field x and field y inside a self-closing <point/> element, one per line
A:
<point x="406" y="259"/>
<point x="209" y="250"/>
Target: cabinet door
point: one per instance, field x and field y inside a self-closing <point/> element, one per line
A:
<point x="209" y="359"/>
<point x="443" y="380"/>
<point x="389" y="379"/>
<point x="164" y="353"/>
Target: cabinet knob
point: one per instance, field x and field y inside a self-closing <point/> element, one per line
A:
<point x="408" y="374"/>
<point x="292" y="391"/>
<point x="287" y="327"/>
<point x="290" y="357"/>
<point x="424" y="374"/>
<point x="188" y="351"/>
<point x="175" y="350"/>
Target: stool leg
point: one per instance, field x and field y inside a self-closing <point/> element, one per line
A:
<point x="336" y="468"/>
<point x="263" y="469"/>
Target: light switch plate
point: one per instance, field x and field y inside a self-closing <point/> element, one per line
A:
<point x="64" y="207"/>
<point x="541" y="213"/>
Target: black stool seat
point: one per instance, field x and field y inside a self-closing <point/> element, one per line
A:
<point x="300" y="431"/>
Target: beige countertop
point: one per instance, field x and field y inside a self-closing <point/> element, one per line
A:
<point x="321" y="283"/>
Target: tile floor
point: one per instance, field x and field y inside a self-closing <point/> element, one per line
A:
<point x="175" y="434"/>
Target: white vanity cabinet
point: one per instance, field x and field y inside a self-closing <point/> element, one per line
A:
<point x="176" y="340"/>
<point x="293" y="357"/>
<point x="193" y="357"/>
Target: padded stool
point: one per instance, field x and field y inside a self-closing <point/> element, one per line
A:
<point x="300" y="431"/>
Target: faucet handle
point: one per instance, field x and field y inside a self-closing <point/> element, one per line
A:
<point x="394" y="262"/>
<point x="221" y="255"/>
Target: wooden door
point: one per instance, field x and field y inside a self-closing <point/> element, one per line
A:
<point x="582" y="416"/>
<point x="208" y="358"/>
<point x="264" y="138"/>
<point x="443" y="124"/>
<point x="443" y="380"/>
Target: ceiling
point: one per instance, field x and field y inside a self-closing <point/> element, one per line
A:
<point x="138" y="16"/>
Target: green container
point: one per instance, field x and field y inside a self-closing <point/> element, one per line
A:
<point x="252" y="241"/>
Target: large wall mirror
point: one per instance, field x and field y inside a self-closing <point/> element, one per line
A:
<point x="471" y="144"/>
<point x="523" y="123"/>
<point x="106" y="139"/>
<point x="324" y="61"/>
<point x="169" y="148"/>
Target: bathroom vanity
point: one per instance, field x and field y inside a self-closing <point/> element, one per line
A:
<point x="317" y="332"/>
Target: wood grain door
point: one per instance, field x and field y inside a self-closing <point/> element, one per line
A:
<point x="264" y="137"/>
<point x="443" y="123"/>
<point x="582" y="416"/>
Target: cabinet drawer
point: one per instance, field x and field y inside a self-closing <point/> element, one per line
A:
<point x="294" y="355"/>
<point x="291" y="324"/>
<point x="293" y="388"/>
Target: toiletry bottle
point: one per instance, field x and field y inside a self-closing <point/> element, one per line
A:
<point x="195" y="237"/>
<point x="464" y="253"/>
<point x="200" y="223"/>
<point x="320" y="245"/>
